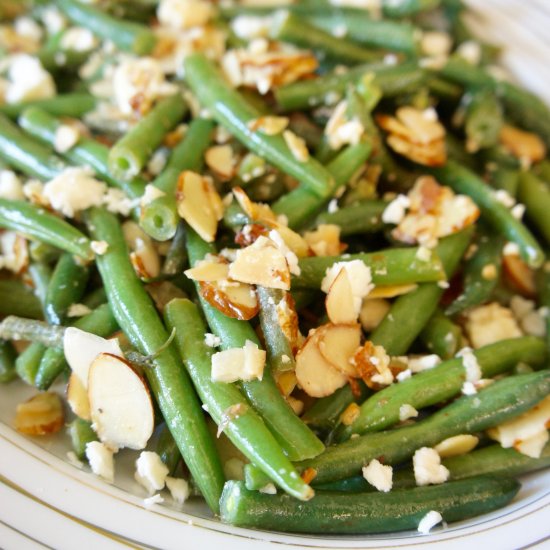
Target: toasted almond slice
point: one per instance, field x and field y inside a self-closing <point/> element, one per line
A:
<point x="250" y="233"/>
<point x="425" y="127"/>
<point x="144" y="256"/>
<point x="208" y="270"/>
<point x="315" y="375"/>
<point x="269" y="125"/>
<point x="288" y="321"/>
<point x="297" y="146"/>
<point x="120" y="403"/>
<point x="77" y="397"/>
<point x="432" y="154"/>
<point x="199" y="204"/>
<point x="286" y="382"/>
<point x="81" y="348"/>
<point x="40" y="415"/>
<point x="372" y="313"/>
<point x="293" y="240"/>
<point x="339" y="301"/>
<point x="261" y="263"/>
<point x="456" y="445"/>
<point x="325" y="240"/>
<point x="221" y="161"/>
<point x="519" y="275"/>
<point x="338" y="344"/>
<point x="14" y="254"/>
<point x="523" y="145"/>
<point x="254" y="210"/>
<point x="237" y="300"/>
<point x="390" y="291"/>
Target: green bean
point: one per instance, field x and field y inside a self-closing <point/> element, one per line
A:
<point x="99" y="321"/>
<point x="393" y="266"/>
<point x="160" y="218"/>
<point x="66" y="287"/>
<point x="464" y="181"/>
<point x="18" y="299"/>
<point x="288" y="27"/>
<point x="131" y="152"/>
<point x="356" y="219"/>
<point x="70" y="105"/>
<point x="499" y="402"/>
<point x="441" y="336"/>
<point x="22" y="328"/>
<point x="392" y="80"/>
<point x="95" y="298"/>
<point x="37" y="223"/>
<point x="25" y="154"/>
<point x="224" y="401"/>
<point x="477" y="288"/>
<point x="81" y="434"/>
<point x="54" y="56"/>
<point x="28" y="361"/>
<point x="128" y="36"/>
<point x="137" y="317"/>
<point x="43" y="253"/>
<point x="535" y="195"/>
<point x="542" y="170"/>
<point x="483" y="121"/>
<point x="505" y="178"/>
<point x="87" y="152"/>
<point x="233" y="112"/>
<point x="301" y="204"/>
<point x="444" y="90"/>
<point x="7" y="362"/>
<point x="279" y="350"/>
<point x="293" y="435"/>
<point x="40" y="274"/>
<point x="176" y="259"/>
<point x="168" y="450"/>
<point x="443" y="383"/>
<point x="364" y="512"/>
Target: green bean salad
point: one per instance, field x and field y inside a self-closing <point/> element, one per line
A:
<point x="292" y="254"/>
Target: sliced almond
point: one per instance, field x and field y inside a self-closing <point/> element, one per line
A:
<point x="40" y="415"/>
<point x="221" y="160"/>
<point x="120" y="403"/>
<point x="143" y="254"/>
<point x="325" y="240"/>
<point x="373" y="366"/>
<point x="14" y="253"/>
<point x="236" y="300"/>
<point x="526" y="146"/>
<point x="456" y="445"/>
<point x="372" y="313"/>
<point x="81" y="348"/>
<point x="250" y="233"/>
<point x="77" y="397"/>
<point x="286" y="382"/>
<point x="297" y="146"/>
<point x="210" y="269"/>
<point x="199" y="204"/>
<point x="340" y="301"/>
<point x="519" y="275"/>
<point x="338" y="344"/>
<point x="315" y="375"/>
<point x="261" y="263"/>
<point x="269" y="125"/>
<point x="390" y="291"/>
<point x="287" y="318"/>
<point x="256" y="211"/>
<point x="293" y="240"/>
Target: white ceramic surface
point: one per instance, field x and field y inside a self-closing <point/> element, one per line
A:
<point x="45" y="501"/>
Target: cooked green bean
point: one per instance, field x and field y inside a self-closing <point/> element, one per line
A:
<point x="128" y="36"/>
<point x="44" y="253"/>
<point x="160" y="218"/>
<point x="356" y="219"/>
<point x="131" y="152"/>
<point x="499" y="402"/>
<point x="7" y="362"/>
<point x="364" y="512"/>
<point x="18" y="299"/>
<point x="137" y="317"/>
<point x="22" y="328"/>
<point x="70" y="105"/>
<point x="506" y="179"/>
<point x="81" y="434"/>
<point x="483" y="120"/>
<point x="245" y="429"/>
<point x="167" y="449"/>
<point x="464" y="181"/>
<point x="441" y="336"/>
<point x="233" y="112"/>
<point x="39" y="224"/>
<point x="55" y="57"/>
<point x="28" y="361"/>
<point x="40" y="274"/>
<point x="292" y="434"/>
<point x="442" y="383"/>
<point x="535" y="195"/>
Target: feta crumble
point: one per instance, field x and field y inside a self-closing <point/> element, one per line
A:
<point x="179" y="489"/>
<point x="430" y="520"/>
<point x="428" y="469"/>
<point x="407" y="411"/>
<point x="246" y="363"/>
<point x="101" y="460"/>
<point x="379" y="475"/>
<point x="151" y="472"/>
<point x="211" y="340"/>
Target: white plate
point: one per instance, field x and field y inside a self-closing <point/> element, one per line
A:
<point x="45" y="501"/>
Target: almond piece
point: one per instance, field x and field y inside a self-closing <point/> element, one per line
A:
<point x="519" y="275"/>
<point x="261" y="263"/>
<point x="525" y="146"/>
<point x="40" y="415"/>
<point x="256" y="211"/>
<point x="120" y="403"/>
<point x="221" y="161"/>
<point x="315" y="375"/>
<point x="143" y="254"/>
<point x="236" y="300"/>
<point x="325" y="240"/>
<point x="456" y="445"/>
<point x="390" y="291"/>
<point x="199" y="204"/>
<point x="268" y="125"/>
<point x="208" y="270"/>
<point x="372" y="313"/>
<point x="339" y="302"/>
<point x="77" y="397"/>
<point x="338" y="344"/>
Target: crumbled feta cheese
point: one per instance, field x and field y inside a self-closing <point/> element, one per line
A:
<point x="430" y="520"/>
<point x="99" y="247"/>
<point x="503" y="197"/>
<point x="14" y="254"/>
<point x="184" y="14"/>
<point x="510" y="249"/>
<point x="246" y="363"/>
<point x="428" y="469"/>
<point x="11" y="187"/>
<point x="28" y="28"/>
<point x="28" y="80"/>
<point x="407" y="411"/>
<point x="470" y="51"/>
<point x="436" y="44"/>
<point x="490" y="323"/>
<point x="53" y="20"/>
<point x="158" y="161"/>
<point x="151" y="472"/>
<point x="150" y="194"/>
<point x="74" y="190"/>
<point x="424" y="254"/>
<point x="468" y="388"/>
<point x="469" y="361"/>
<point x="518" y="211"/>
<point x="531" y="321"/>
<point x="332" y="206"/>
<point x="269" y="489"/>
<point x="149" y="502"/>
<point x="65" y="138"/>
<point x="250" y="26"/>
<point x="379" y="475"/>
<point x="211" y="340"/>
<point x="117" y="202"/>
<point x="78" y="310"/>
<point x="290" y="257"/>
<point x="101" y="460"/>
<point x="404" y="375"/>
<point x="78" y="39"/>
<point x="395" y="211"/>
<point x="340" y="130"/>
<point x="424" y="362"/>
<point x="179" y="489"/>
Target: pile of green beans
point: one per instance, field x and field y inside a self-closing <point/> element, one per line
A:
<point x="135" y="265"/>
